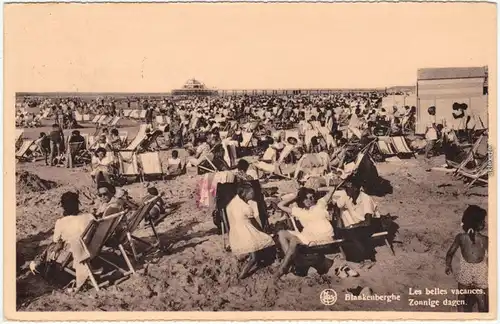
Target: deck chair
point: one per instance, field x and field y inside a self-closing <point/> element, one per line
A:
<point x="142" y="114"/>
<point x="385" y="148"/>
<point x="151" y="139"/>
<point x="319" y="164"/>
<point x="127" y="112"/>
<point x="106" y="120"/>
<point x="78" y="117"/>
<point x="77" y="155"/>
<point x="24" y="150"/>
<point x="114" y="122"/>
<point x="19" y="137"/>
<point x="94" y="238"/>
<point x="401" y="147"/>
<point x="96" y="118"/>
<point x="127" y="238"/>
<point x="124" y="137"/>
<point x="478" y="174"/>
<point x="229" y="153"/>
<point x="139" y="138"/>
<point x="313" y="253"/>
<point x="473" y="152"/>
<point x="150" y="164"/>
<point x="134" y="114"/>
<point x="102" y="119"/>
<point x="128" y="164"/>
<point x="276" y="169"/>
<point x="86" y="117"/>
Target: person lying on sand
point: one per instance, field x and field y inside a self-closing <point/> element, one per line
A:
<point x="473" y="272"/>
<point x="246" y="235"/>
<point x="66" y="239"/>
<point x="314" y="217"/>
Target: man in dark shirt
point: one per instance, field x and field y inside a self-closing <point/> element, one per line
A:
<point x="56" y="142"/>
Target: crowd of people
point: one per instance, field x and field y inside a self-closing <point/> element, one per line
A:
<point x="204" y="126"/>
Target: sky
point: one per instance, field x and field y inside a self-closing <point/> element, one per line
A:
<point x="157" y="47"/>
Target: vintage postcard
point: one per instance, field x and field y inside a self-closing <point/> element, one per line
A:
<point x="238" y="161"/>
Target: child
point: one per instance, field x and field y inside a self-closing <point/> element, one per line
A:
<point x="473" y="272"/>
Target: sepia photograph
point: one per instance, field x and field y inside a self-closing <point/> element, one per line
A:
<point x="235" y="158"/>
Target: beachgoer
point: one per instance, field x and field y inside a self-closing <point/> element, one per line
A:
<point x="245" y="234"/>
<point x="473" y="272"/>
<point x="314" y="217"/>
<point x="67" y="239"/>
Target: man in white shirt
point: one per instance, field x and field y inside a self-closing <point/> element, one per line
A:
<point x="431" y="133"/>
<point x="357" y="209"/>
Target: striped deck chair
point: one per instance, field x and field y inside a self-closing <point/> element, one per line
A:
<point x="385" y="147"/>
<point x="96" y="118"/>
<point x="127" y="238"/>
<point x="401" y="147"/>
<point x="114" y="121"/>
<point x="150" y="164"/>
<point x="229" y="152"/>
<point x="127" y="112"/>
<point x="93" y="240"/>
<point x="24" y="150"/>
<point x="102" y="119"/>
<point x="160" y="120"/>
<point x="142" y="114"/>
<point x="105" y="121"/>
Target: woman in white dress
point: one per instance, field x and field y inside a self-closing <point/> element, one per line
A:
<point x="315" y="219"/>
<point x="245" y="234"/>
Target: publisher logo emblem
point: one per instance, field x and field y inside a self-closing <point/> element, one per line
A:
<point x="328" y="297"/>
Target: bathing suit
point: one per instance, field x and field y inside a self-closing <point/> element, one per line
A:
<point x="473" y="274"/>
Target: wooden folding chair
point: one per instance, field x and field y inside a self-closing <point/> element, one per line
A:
<point x="150" y="164"/>
<point x="96" y="118"/>
<point x="94" y="238"/>
<point x="114" y="121"/>
<point x="127" y="112"/>
<point x="142" y="114"/>
<point x="127" y="239"/>
<point x="129" y="166"/>
<point x="23" y="151"/>
<point x="402" y="148"/>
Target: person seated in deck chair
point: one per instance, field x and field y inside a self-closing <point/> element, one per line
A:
<point x="360" y="219"/>
<point x="159" y="208"/>
<point x="243" y="174"/>
<point x="201" y="152"/>
<point x="315" y="219"/>
<point x="102" y="166"/>
<point x="115" y="141"/>
<point x="66" y="239"/>
<point x="175" y="166"/>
